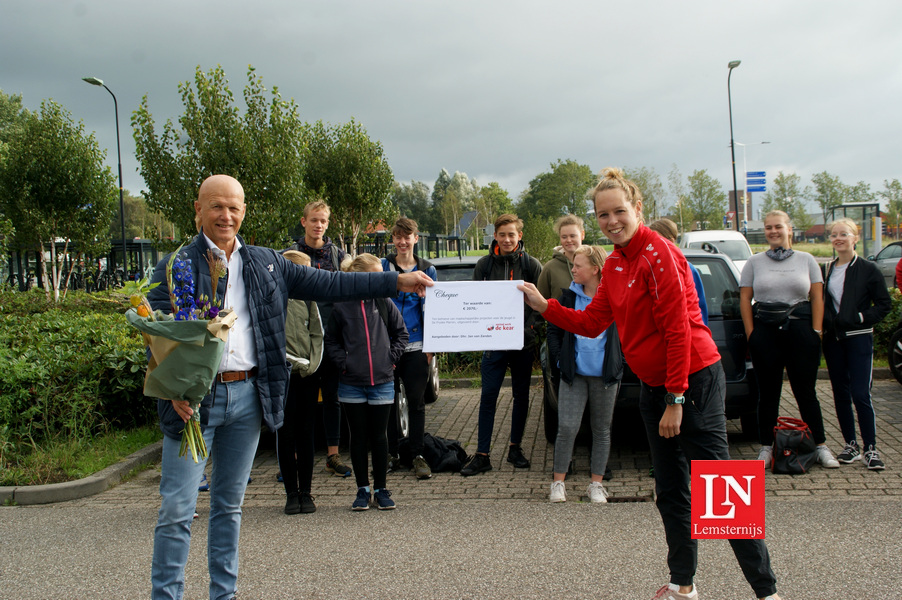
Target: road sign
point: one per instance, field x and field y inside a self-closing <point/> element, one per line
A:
<point x="756" y="188"/>
<point x="729" y="216"/>
<point x="756" y="173"/>
<point x="756" y="181"/>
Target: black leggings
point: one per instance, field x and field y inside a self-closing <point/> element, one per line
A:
<point x="367" y="425"/>
<point x="296" y="436"/>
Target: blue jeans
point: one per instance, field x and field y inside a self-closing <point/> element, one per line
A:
<point x="231" y="435"/>
<point x="494" y="366"/>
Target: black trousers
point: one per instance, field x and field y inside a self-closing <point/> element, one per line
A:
<point x="413" y="370"/>
<point x="296" y="436"/>
<point x="703" y="436"/>
<point x="367" y="423"/>
<point x="797" y="348"/>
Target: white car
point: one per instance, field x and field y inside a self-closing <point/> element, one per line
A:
<point x="724" y="241"/>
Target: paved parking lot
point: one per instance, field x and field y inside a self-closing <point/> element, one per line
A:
<point x="454" y="416"/>
<point x="832" y="533"/>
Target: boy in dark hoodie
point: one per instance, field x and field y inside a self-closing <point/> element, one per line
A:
<point x="506" y="261"/>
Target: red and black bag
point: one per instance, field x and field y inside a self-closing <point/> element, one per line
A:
<point x="794" y="447"/>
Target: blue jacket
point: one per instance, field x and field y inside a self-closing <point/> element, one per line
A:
<point x="270" y="281"/>
<point x="410" y="305"/>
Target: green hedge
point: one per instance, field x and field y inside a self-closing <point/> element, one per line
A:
<point x="68" y="370"/>
<point x="884" y="330"/>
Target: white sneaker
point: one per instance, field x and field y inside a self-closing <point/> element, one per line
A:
<point x="825" y="457"/>
<point x="558" y="491"/>
<point x="597" y="493"/>
<point x="671" y="591"/>
<point x="766" y="454"/>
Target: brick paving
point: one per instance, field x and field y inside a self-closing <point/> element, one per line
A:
<point x="454" y="416"/>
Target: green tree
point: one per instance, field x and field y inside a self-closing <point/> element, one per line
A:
<point x="491" y="201"/>
<point x="652" y="189"/>
<point x="892" y="195"/>
<point x="140" y="221"/>
<point x="563" y="190"/>
<point x="53" y="185"/>
<point x="12" y="120"/>
<point x="677" y="192"/>
<point x="412" y="201"/>
<point x="860" y="192"/>
<point x="706" y="202"/>
<point x="787" y="195"/>
<point x="263" y="149"/>
<point x="349" y="171"/>
<point x="828" y="192"/>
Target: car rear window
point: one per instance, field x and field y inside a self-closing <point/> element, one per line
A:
<point x="721" y="288"/>
<point x="454" y="273"/>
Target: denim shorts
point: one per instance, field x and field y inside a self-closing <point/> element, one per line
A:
<point x="384" y="393"/>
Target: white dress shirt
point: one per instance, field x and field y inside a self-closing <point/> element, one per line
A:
<point x="240" y="349"/>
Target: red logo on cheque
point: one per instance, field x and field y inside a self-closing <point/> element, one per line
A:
<point x="727" y="499"/>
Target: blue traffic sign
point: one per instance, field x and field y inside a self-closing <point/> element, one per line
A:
<point x="756" y="188"/>
<point x="756" y="181"/>
<point x="755" y="173"/>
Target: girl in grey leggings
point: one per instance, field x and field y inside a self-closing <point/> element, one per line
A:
<point x="590" y="372"/>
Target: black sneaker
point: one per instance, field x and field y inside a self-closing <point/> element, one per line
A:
<point x="850" y="453"/>
<point x="516" y="458"/>
<point x="306" y="503"/>
<point x="872" y="459"/>
<point x="292" y="505"/>
<point x="478" y="463"/>
<point x="382" y="500"/>
<point x="608" y="474"/>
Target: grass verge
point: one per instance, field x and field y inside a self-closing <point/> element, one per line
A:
<point x="70" y="459"/>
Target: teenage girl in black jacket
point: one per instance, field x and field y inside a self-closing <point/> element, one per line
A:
<point x="855" y="299"/>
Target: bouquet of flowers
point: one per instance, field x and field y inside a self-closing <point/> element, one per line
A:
<point x="185" y="346"/>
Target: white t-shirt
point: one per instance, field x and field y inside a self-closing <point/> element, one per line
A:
<point x="837" y="281"/>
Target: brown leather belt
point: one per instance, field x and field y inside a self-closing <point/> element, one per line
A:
<point x="232" y="376"/>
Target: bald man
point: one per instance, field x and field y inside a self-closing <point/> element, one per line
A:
<point x="251" y="384"/>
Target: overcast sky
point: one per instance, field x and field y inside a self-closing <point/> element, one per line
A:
<point x="500" y="89"/>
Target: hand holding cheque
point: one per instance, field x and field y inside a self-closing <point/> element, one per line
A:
<point x="465" y="316"/>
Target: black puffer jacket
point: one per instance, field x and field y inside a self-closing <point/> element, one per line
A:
<point x="511" y="267"/>
<point x="270" y="281"/>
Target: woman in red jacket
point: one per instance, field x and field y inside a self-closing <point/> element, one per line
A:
<point x="647" y="288"/>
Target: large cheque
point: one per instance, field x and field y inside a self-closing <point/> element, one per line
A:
<point x="473" y="315"/>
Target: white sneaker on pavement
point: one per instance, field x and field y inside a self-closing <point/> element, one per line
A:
<point x="671" y="591"/>
<point x="825" y="457"/>
<point x="597" y="493"/>
<point x="558" y="491"/>
<point x="766" y="454"/>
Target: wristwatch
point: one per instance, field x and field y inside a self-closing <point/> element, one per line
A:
<point x="671" y="399"/>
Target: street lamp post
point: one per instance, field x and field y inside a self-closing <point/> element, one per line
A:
<point x="745" y="169"/>
<point x="732" y="65"/>
<point x="98" y="82"/>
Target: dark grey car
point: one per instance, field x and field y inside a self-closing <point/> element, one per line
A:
<point x="720" y="279"/>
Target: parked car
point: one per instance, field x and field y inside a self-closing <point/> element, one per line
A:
<point x="450" y="268"/>
<point x="725" y="241"/>
<point x="886" y="261"/>
<point x="720" y="278"/>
